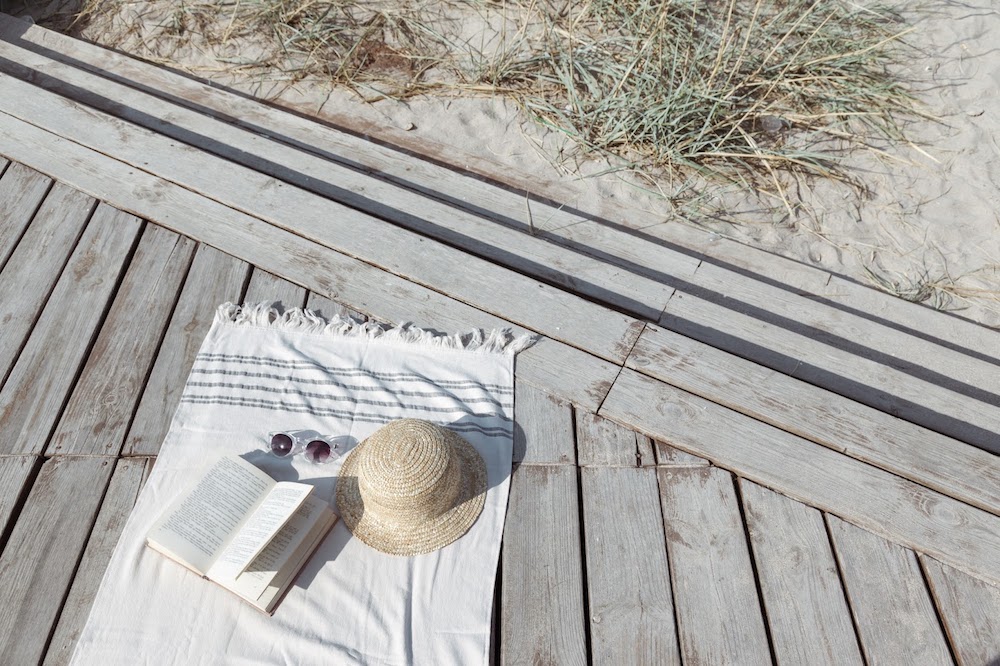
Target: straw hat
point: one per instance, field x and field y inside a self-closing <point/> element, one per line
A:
<point x="411" y="487"/>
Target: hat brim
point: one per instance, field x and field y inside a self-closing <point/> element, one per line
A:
<point x="419" y="538"/>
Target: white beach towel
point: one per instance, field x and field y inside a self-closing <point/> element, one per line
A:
<point x="257" y="373"/>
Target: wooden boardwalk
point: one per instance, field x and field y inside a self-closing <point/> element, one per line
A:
<point x="721" y="456"/>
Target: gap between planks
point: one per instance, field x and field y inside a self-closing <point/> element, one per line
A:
<point x="572" y="373"/>
<point x="435" y="180"/>
<point x="206" y="95"/>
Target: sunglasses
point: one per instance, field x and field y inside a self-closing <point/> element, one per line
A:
<point x="317" y="450"/>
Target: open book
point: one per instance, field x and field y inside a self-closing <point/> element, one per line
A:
<point x="240" y="528"/>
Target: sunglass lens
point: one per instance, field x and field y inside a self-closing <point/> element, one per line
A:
<point x="281" y="444"/>
<point x="318" y="451"/>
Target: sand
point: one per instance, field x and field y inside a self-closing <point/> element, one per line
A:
<point x="928" y="230"/>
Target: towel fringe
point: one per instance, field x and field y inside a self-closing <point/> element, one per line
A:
<point x="265" y="315"/>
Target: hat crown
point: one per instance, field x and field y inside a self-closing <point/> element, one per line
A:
<point x="409" y="471"/>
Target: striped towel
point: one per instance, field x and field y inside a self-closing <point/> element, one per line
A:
<point x="258" y="372"/>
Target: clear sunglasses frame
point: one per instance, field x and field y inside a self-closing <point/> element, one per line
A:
<point x="317" y="449"/>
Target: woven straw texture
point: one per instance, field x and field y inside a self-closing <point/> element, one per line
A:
<point x="411" y="487"/>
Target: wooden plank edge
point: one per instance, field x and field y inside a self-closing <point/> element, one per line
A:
<point x="980" y="470"/>
<point x="204" y="97"/>
<point x="552" y="311"/>
<point x="571" y="269"/>
<point x="144" y="195"/>
<point x="944" y="550"/>
<point x="123" y="490"/>
<point x="34" y="464"/>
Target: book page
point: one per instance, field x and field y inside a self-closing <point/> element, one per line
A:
<point x="262" y="570"/>
<point x="295" y="561"/>
<point x="260" y="528"/>
<point x="196" y="529"/>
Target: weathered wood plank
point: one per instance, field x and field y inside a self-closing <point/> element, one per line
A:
<point x="300" y="132"/>
<point x="560" y="224"/>
<point x="799" y="584"/>
<point x="844" y="330"/>
<point x="718" y="613"/>
<point x="401" y="200"/>
<point x="556" y="313"/>
<point x="602" y="442"/>
<point x="37" y="566"/>
<point x="929" y="458"/>
<point x="329" y="309"/>
<point x="970" y="611"/>
<point x="543" y="427"/>
<point x="36" y="389"/>
<point x="35" y="265"/>
<point x="126" y="481"/>
<point x="816" y="284"/>
<point x="712" y="248"/>
<point x="898" y="509"/>
<point x="542" y="614"/>
<point x="267" y="287"/>
<point x="915" y="318"/>
<point x="214" y="278"/>
<point x="971" y="415"/>
<point x="892" y="608"/>
<point x="21" y="192"/>
<point x="15" y="473"/>
<point x="571" y="373"/>
<point x="669" y="456"/>
<point x="100" y="409"/>
<point x="628" y="580"/>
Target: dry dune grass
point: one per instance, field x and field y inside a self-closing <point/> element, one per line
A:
<point x="730" y="88"/>
<point x="728" y="109"/>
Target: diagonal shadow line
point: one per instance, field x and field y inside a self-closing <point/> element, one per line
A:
<point x="459" y="203"/>
<point x="558" y="278"/>
<point x="365" y="205"/>
<point x="886" y="402"/>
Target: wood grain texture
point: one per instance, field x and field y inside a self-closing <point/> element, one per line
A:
<point x="898" y="509"/>
<point x="35" y="265"/>
<point x="669" y="456"/>
<point x="719" y="616"/>
<point x="36" y="389"/>
<point x="542" y="609"/>
<point x="390" y="184"/>
<point x="911" y="451"/>
<point x="21" y="192"/>
<point x="15" y="473"/>
<point x="712" y="248"/>
<point x="543" y="427"/>
<point x="603" y="442"/>
<point x="283" y="294"/>
<point x="214" y="278"/>
<point x="37" y="566"/>
<point x="563" y="370"/>
<point x="915" y="318"/>
<point x="892" y="608"/>
<point x="817" y="285"/>
<point x="628" y="580"/>
<point x="329" y="309"/>
<point x="123" y="490"/>
<point x="562" y="223"/>
<point x="799" y="583"/>
<point x="967" y="413"/>
<point x="840" y="328"/>
<point x="970" y="611"/>
<point x="101" y="407"/>
<point x="556" y="313"/>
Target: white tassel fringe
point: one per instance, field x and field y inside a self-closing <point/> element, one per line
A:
<point x="265" y="315"/>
